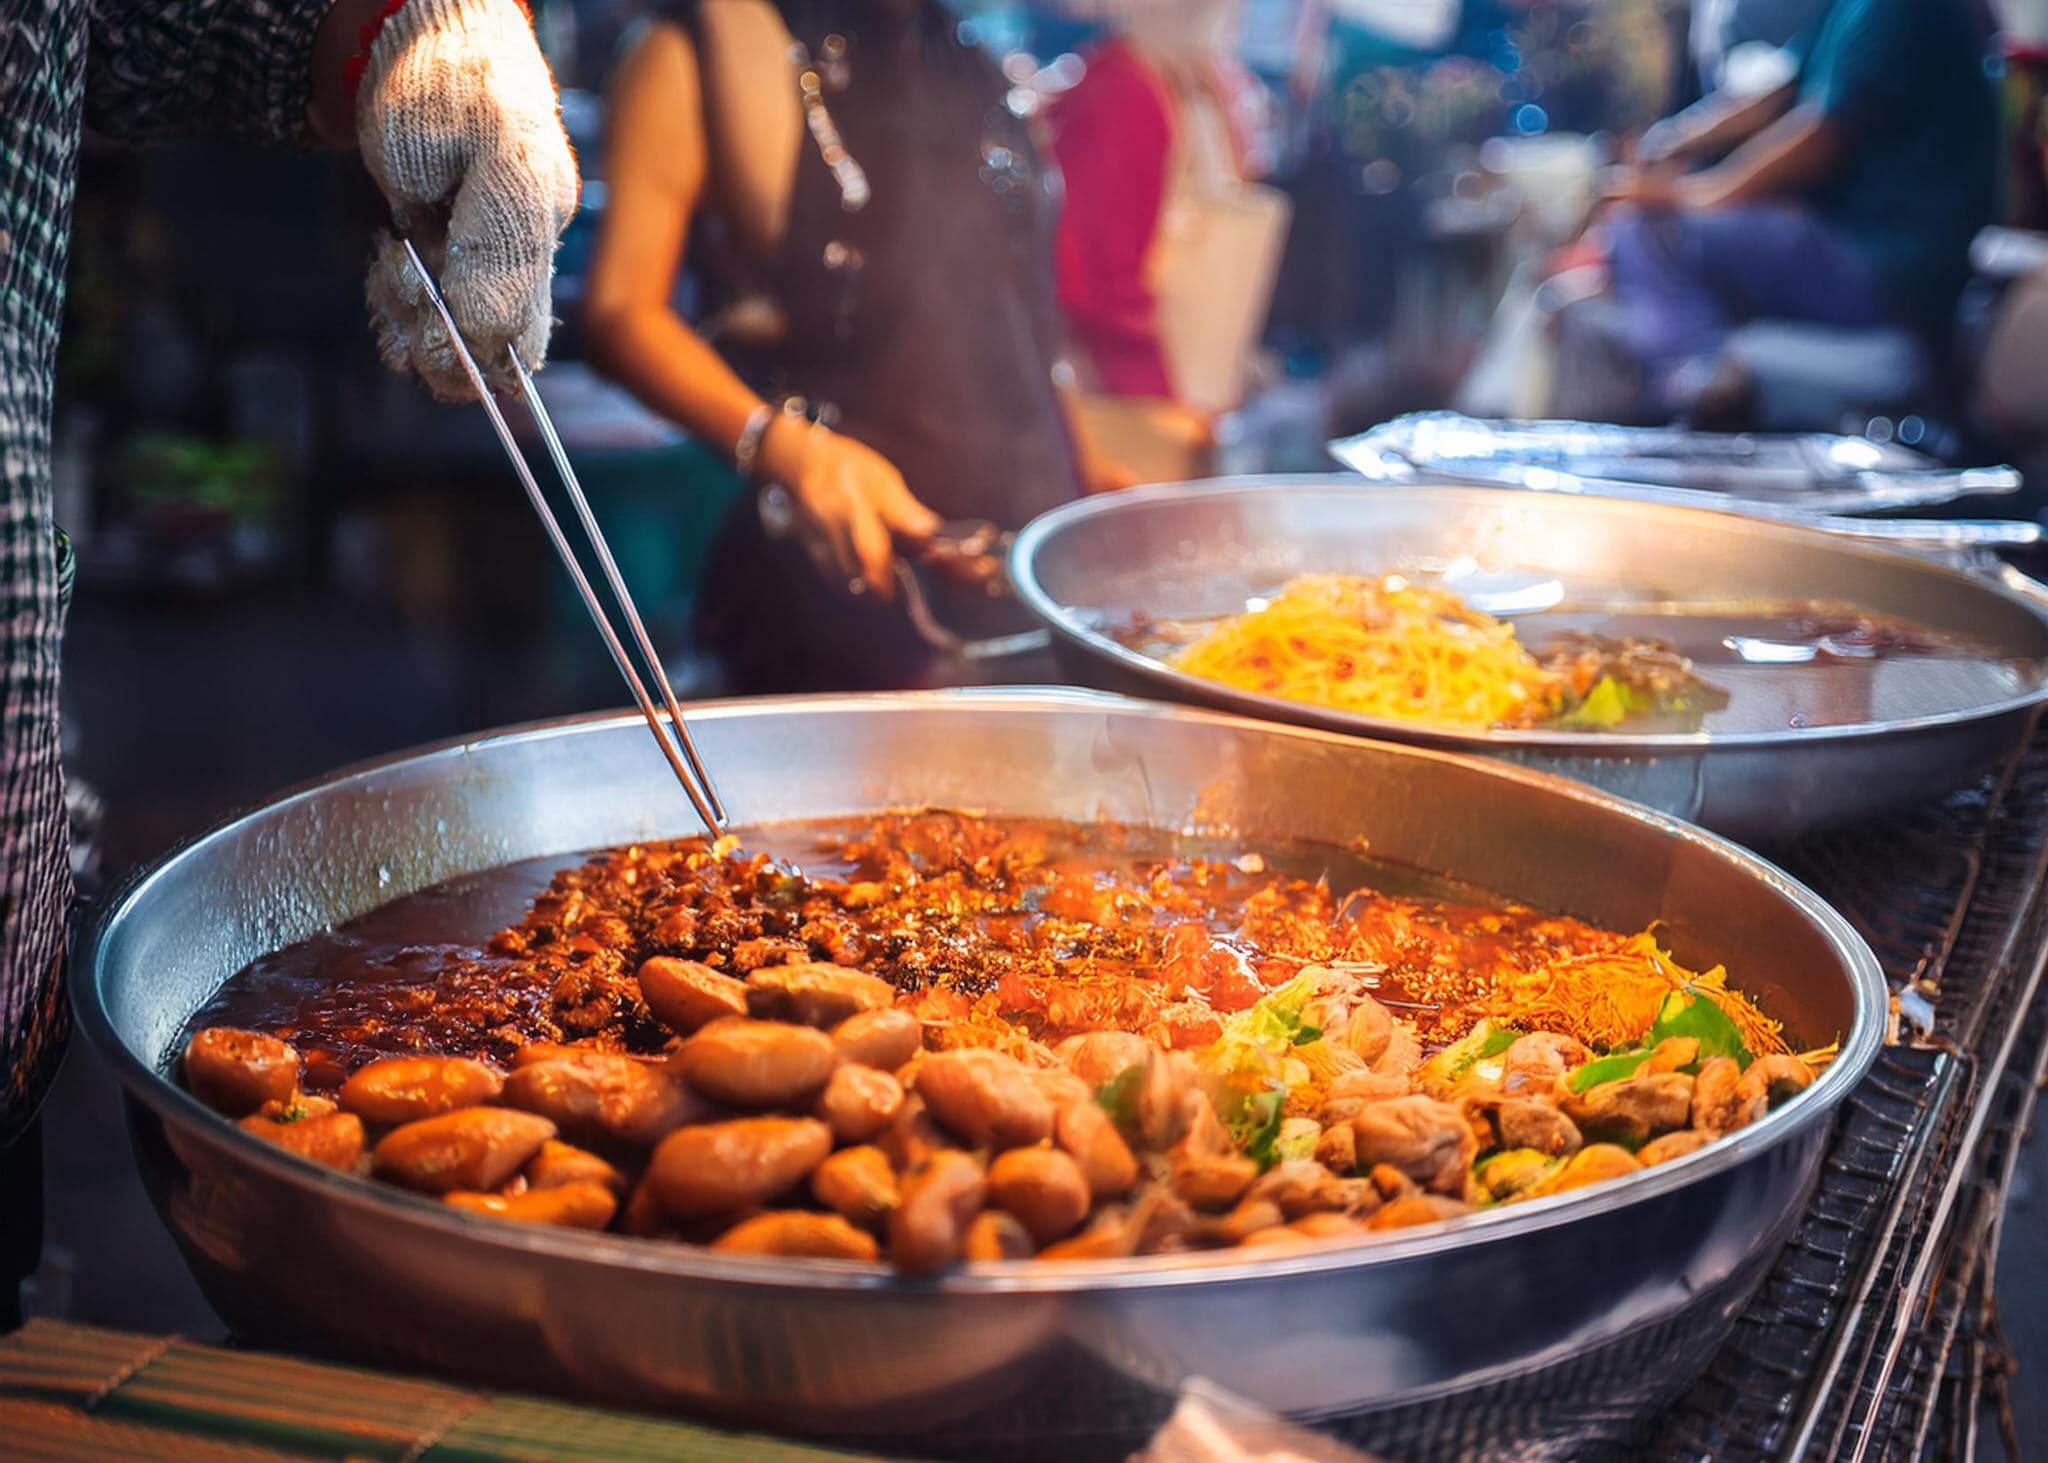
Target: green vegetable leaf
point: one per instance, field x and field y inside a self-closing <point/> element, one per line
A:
<point x="1696" y="1016"/>
<point x="1455" y="1062"/>
<point x="1305" y="1034"/>
<point x="1610" y="1068"/>
<point x="1296" y="1139"/>
<point x="1683" y="1013"/>
<point x="1119" y="1097"/>
<point x="1255" y="1127"/>
<point x="1607" y="705"/>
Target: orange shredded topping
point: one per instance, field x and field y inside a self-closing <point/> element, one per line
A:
<point x="1609" y="999"/>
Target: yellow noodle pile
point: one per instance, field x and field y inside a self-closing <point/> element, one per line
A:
<point x="1379" y="647"/>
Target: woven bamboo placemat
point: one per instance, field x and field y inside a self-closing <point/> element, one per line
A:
<point x="80" y="1394"/>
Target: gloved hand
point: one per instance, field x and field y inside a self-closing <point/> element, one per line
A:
<point x="458" y="123"/>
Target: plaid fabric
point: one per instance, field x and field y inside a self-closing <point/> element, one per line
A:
<point x="129" y="69"/>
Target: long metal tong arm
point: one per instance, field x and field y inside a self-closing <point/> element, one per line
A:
<point x="678" y="749"/>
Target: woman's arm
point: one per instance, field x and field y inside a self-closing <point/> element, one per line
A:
<point x="657" y="175"/>
<point x="656" y="171"/>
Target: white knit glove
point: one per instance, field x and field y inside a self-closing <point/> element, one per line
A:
<point x="458" y="122"/>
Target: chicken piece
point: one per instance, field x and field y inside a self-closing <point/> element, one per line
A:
<point x="1633" y="1110"/>
<point x="1536" y="1064"/>
<point x="1428" y="1141"/>
<point x="1673" y="1145"/>
<point x="1526" y="1123"/>
<point x="1774" y="1079"/>
<point x="1718" y="1103"/>
<point x="1594" y="1164"/>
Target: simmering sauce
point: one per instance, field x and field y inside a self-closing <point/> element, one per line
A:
<point x="1034" y="927"/>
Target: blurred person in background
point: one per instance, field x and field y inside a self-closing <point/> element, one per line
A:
<point x="455" y="114"/>
<point x="882" y="349"/>
<point x="1158" y="230"/>
<point x="1847" y="195"/>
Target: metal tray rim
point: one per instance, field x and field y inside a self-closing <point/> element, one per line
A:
<point x="153" y="1089"/>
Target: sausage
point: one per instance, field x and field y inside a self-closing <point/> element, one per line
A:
<point x="334" y="1139"/>
<point x="797" y="1233"/>
<point x="859" y="1102"/>
<point x="235" y="1072"/>
<point x="1085" y="1131"/>
<point x="1042" y="1188"/>
<point x="397" y="1090"/>
<point x="913" y="1136"/>
<point x="580" y="1205"/>
<point x="985" y="1098"/>
<point x="883" y="1039"/>
<point x="994" y="1235"/>
<point x="733" y="1166"/>
<point x="928" y="1230"/>
<point x="858" y="1184"/>
<point x="685" y="995"/>
<point x="470" y="1148"/>
<point x="815" y="994"/>
<point x="599" y="1096"/>
<point x="558" y="1163"/>
<point x="299" y="1106"/>
<point x="757" y="1063"/>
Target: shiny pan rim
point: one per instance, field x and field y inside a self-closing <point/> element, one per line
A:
<point x="1182" y="686"/>
<point x="1860" y="1045"/>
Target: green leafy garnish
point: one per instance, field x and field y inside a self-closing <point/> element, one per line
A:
<point x="1255" y="1126"/>
<point x="1610" y="1068"/>
<point x="1119" y="1097"/>
<point x="1296" y="1139"/>
<point x="1607" y="705"/>
<point x="1683" y="1013"/>
<point x="1304" y="1034"/>
<point x="1512" y="1171"/>
<point x="1456" y="1062"/>
<point x="1697" y="1016"/>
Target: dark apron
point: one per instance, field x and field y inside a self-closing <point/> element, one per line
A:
<point x="924" y="319"/>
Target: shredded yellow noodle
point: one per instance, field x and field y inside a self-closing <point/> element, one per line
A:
<point x="1379" y="647"/>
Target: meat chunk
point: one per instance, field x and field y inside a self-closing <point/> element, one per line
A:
<point x="1425" y="1140"/>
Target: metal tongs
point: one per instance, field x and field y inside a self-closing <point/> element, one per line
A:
<point x="678" y="749"/>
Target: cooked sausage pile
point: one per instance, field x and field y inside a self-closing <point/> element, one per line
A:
<point x="799" y="1113"/>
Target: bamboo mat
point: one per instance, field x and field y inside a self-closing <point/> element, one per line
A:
<point x="78" y="1394"/>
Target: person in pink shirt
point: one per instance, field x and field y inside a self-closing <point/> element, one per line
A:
<point x="1164" y="116"/>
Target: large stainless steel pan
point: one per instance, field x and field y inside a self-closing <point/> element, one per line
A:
<point x="1078" y="1356"/>
<point x="1201" y="549"/>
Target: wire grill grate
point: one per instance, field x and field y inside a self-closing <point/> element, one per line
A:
<point x="1863" y="1340"/>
